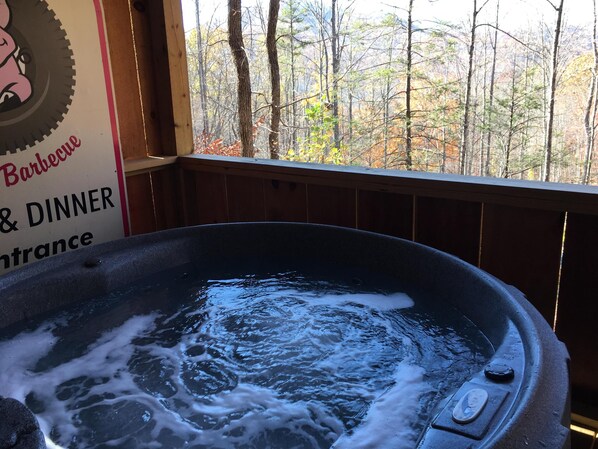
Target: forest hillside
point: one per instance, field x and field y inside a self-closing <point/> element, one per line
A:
<point x="502" y="88"/>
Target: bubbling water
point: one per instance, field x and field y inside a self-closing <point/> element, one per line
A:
<point x="278" y="361"/>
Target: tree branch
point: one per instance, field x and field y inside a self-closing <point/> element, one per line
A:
<point x="511" y="36"/>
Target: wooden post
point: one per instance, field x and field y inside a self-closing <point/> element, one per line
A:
<point x="149" y="66"/>
<point x="179" y="77"/>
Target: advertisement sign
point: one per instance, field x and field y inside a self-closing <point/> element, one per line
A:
<point x="61" y="177"/>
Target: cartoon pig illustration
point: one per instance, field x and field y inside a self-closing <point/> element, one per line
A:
<point x="11" y="78"/>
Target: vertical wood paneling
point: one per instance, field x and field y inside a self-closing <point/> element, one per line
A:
<point x="164" y="113"/>
<point x="171" y="77"/>
<point x="285" y="201"/>
<point x="452" y="226"/>
<point x="149" y="66"/>
<point x="578" y="304"/>
<point x="522" y="247"/>
<point x="124" y="77"/>
<point x="245" y="198"/>
<point x="331" y="205"/>
<point x="147" y="83"/>
<point x="386" y="213"/>
<point x="141" y="207"/>
<point x="188" y="195"/>
<point x="166" y="200"/>
<point x="210" y="191"/>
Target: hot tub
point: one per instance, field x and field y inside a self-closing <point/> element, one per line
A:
<point x="514" y="394"/>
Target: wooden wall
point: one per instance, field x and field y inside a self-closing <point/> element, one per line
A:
<point x="149" y="71"/>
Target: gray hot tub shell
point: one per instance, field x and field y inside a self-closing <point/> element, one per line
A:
<point x="529" y="409"/>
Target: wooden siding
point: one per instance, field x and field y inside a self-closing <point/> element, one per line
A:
<point x="385" y="213"/>
<point x="154" y="200"/>
<point x="148" y="59"/>
<point x="452" y="226"/>
<point x="285" y="201"/>
<point x="522" y="247"/>
<point x="578" y="304"/>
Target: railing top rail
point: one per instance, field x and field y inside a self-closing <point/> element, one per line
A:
<point x="518" y="193"/>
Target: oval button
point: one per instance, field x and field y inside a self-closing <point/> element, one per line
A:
<point x="470" y="406"/>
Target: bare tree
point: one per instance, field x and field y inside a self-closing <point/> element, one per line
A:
<point x="293" y="9"/>
<point x="511" y="127"/>
<point x="386" y="96"/>
<point x="408" y="112"/>
<point x="592" y="106"/>
<point x="552" y="89"/>
<point x="489" y="112"/>
<point x="336" y="64"/>
<point x="274" y="136"/>
<point x="201" y="70"/>
<point x="468" y="86"/>
<point x="235" y="40"/>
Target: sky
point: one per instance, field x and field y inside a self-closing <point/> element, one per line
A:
<point x="514" y="13"/>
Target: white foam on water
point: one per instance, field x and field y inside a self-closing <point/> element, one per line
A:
<point x="18" y="356"/>
<point x="353" y="340"/>
<point x="265" y="411"/>
<point x="257" y="409"/>
<point x="375" y="301"/>
<point x="107" y="357"/>
<point x="387" y="423"/>
<point x="378" y="302"/>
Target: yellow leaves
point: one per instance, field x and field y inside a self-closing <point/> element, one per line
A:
<point x="317" y="153"/>
<point x="578" y="72"/>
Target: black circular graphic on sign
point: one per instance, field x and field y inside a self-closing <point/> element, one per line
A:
<point x="37" y="78"/>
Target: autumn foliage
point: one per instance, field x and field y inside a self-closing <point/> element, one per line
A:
<point x="205" y="143"/>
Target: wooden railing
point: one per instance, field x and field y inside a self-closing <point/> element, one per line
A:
<point x="541" y="238"/>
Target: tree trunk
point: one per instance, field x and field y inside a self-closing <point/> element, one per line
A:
<point x="386" y="100"/>
<point x="235" y="40"/>
<point x="511" y="131"/>
<point x="484" y="130"/>
<point x="324" y="59"/>
<point x="474" y="137"/>
<point x="350" y="124"/>
<point x="408" y="114"/>
<point x="201" y="70"/>
<point x="465" y="134"/>
<point x="336" y="64"/>
<point x="444" y="133"/>
<point x="590" y="116"/>
<point x="293" y="80"/>
<point x="491" y="99"/>
<point x="350" y="108"/>
<point x="274" y="136"/>
<point x="552" y="94"/>
<point x="528" y="117"/>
